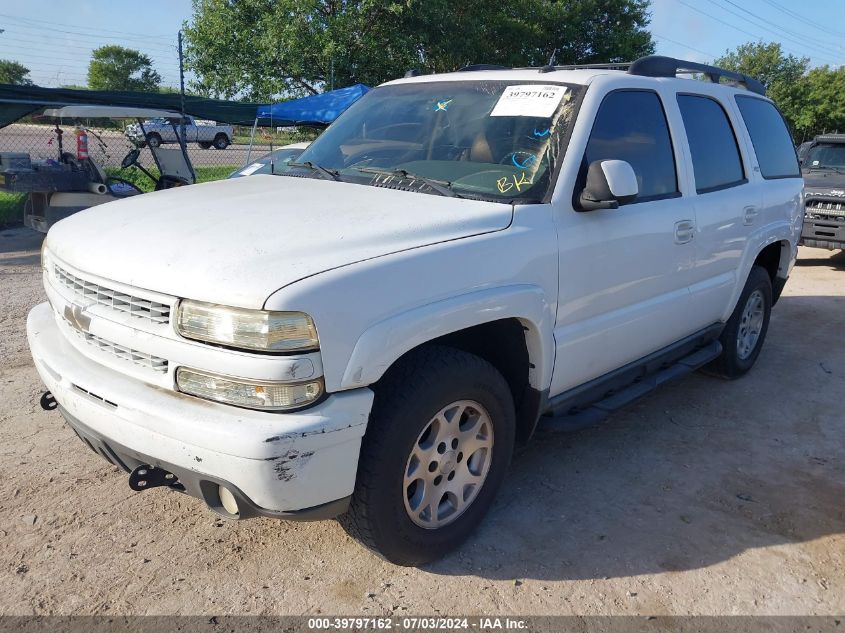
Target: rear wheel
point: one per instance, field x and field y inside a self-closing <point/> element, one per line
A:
<point x="221" y="141"/>
<point x="204" y="144"/>
<point x="743" y="336"/>
<point x="437" y="447"/>
<point x="153" y="140"/>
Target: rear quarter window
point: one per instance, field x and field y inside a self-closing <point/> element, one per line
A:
<point x="770" y="138"/>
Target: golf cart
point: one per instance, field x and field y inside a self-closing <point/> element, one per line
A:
<point x="75" y="181"/>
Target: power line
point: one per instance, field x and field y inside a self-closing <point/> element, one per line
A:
<point x="671" y="41"/>
<point x="110" y="38"/>
<point x="797" y="16"/>
<point x="733" y="26"/>
<point x="798" y="38"/>
<point x="146" y="36"/>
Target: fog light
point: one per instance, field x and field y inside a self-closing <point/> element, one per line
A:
<point x="268" y="396"/>
<point x="227" y="499"/>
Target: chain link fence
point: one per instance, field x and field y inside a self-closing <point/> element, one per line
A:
<point x="109" y="142"/>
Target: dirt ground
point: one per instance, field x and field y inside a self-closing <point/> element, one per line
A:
<point x="707" y="497"/>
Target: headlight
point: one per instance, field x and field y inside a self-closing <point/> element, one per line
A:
<point x="260" y="330"/>
<point x="267" y="396"/>
<point x="45" y="256"/>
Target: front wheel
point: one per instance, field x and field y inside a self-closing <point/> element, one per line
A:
<point x="204" y="144"/>
<point x="743" y="336"/>
<point x="154" y="140"/>
<point x="437" y="447"/>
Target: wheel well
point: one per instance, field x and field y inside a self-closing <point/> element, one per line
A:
<point x="502" y="344"/>
<point x="772" y="260"/>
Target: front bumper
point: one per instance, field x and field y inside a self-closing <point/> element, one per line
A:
<point x="823" y="230"/>
<point x="290" y="465"/>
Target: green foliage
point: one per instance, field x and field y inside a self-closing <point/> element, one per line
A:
<point x="117" y="68"/>
<point x="264" y="48"/>
<point x="812" y="101"/>
<point x="14" y="73"/>
<point x="140" y="180"/>
<point x="11" y="207"/>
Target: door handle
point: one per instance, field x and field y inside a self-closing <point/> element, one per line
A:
<point x="684" y="231"/>
<point x="749" y="214"/>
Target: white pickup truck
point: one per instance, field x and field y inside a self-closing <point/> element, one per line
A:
<point x="457" y="259"/>
<point x="205" y="133"/>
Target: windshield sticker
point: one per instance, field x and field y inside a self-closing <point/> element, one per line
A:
<point x="442" y="106"/>
<point x="542" y="134"/>
<point x="529" y="100"/>
<point x="248" y="171"/>
<point x="528" y="159"/>
<point x="504" y="184"/>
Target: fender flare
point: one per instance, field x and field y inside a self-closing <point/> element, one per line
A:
<point x="780" y="232"/>
<point x="383" y="343"/>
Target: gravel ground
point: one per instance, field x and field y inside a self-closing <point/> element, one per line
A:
<point x="707" y="497"/>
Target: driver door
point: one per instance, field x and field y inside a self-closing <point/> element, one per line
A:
<point x="624" y="272"/>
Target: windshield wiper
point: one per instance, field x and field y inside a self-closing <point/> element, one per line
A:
<point x="838" y="170"/>
<point x="331" y="174"/>
<point x="442" y="187"/>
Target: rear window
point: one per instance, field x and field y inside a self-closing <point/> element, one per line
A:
<point x="770" y="137"/>
<point x="715" y="156"/>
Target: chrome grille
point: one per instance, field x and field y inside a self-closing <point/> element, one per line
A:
<point x="142" y="359"/>
<point x="114" y="299"/>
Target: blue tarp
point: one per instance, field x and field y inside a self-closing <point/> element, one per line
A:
<point x="317" y="110"/>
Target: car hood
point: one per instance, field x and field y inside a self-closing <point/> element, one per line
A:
<point x="820" y="182"/>
<point x="238" y="241"/>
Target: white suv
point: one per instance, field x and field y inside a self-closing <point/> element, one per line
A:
<point x="458" y="258"/>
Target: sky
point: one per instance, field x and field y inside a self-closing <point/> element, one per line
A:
<point x="55" y="43"/>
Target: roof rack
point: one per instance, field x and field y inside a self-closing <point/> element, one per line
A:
<point x="659" y="66"/>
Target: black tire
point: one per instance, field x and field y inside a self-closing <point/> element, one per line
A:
<point x="407" y="399"/>
<point x="153" y="139"/>
<point x="732" y="363"/>
<point x="221" y="141"/>
<point x="204" y="144"/>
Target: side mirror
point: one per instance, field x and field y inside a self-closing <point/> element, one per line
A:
<point x="609" y="184"/>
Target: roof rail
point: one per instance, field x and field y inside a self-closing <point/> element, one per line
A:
<point x="659" y="66"/>
<point x="474" y="67"/>
<point x="611" y="66"/>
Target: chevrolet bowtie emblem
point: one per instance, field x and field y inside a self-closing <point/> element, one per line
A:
<point x="77" y="317"/>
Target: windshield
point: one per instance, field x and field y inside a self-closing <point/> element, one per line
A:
<point x="826" y="156"/>
<point x="492" y="140"/>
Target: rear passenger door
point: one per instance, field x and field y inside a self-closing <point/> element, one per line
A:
<point x="726" y="204"/>
<point x="624" y="272"/>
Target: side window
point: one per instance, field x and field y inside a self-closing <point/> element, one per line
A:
<point x="631" y="126"/>
<point x="770" y="137"/>
<point x="712" y="143"/>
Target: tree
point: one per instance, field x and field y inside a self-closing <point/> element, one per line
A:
<point x="14" y="73"/>
<point x="782" y="75"/>
<point x="117" y="68"/>
<point x="264" y="48"/>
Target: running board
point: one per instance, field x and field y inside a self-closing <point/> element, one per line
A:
<point x="574" y="419"/>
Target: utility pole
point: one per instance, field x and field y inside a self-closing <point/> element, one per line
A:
<point x="182" y="98"/>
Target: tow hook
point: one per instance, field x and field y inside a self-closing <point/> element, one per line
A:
<point x="48" y="402"/>
<point x="146" y="476"/>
